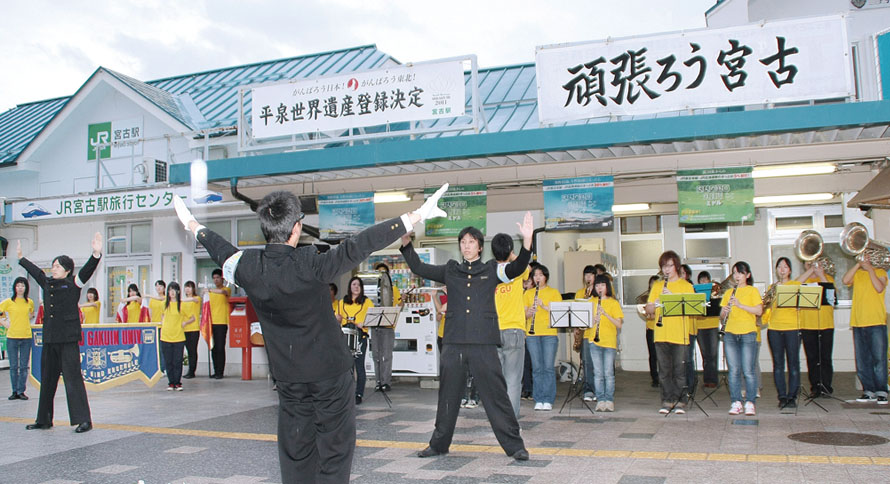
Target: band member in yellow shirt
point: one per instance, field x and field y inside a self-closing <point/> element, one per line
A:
<point x="173" y="337"/>
<point x="707" y="327"/>
<point x="508" y="299"/>
<point x="157" y="303"/>
<point x="587" y="293"/>
<point x="191" y="311"/>
<point x="868" y="319"/>
<point x="92" y="307"/>
<point x="741" y="306"/>
<point x="17" y="313"/>
<point x="783" y="337"/>
<point x="817" y="330"/>
<point x="134" y="303"/>
<point x="543" y="343"/>
<point x="603" y="342"/>
<point x="219" y="314"/>
<point x="354" y="307"/>
<point x="671" y="335"/>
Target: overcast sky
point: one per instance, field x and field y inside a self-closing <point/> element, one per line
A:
<point x="51" y="47"/>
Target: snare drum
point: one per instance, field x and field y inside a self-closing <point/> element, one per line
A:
<point x="353" y="342"/>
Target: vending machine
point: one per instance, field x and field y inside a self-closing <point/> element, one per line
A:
<point x="415" y="352"/>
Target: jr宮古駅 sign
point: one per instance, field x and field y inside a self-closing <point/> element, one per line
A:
<point x="762" y="63"/>
<point x="113" y="139"/>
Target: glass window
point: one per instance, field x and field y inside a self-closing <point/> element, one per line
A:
<point x="649" y="224"/>
<point x="707" y="248"/>
<point x="640" y="254"/>
<point x="794" y="223"/>
<point x="221" y="227"/>
<point x="141" y="238"/>
<point x="116" y="239"/>
<point x="249" y="232"/>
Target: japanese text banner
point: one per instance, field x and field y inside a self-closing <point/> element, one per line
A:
<point x="345" y="214"/>
<point x="465" y="205"/>
<point x="753" y="64"/>
<point x="359" y="99"/>
<point x="582" y="203"/>
<point x="716" y="195"/>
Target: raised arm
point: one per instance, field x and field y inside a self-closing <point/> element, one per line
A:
<point x="352" y="251"/>
<point x="422" y="269"/>
<point x="517" y="267"/>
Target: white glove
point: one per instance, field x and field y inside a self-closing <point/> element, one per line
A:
<point x="430" y="208"/>
<point x="185" y="216"/>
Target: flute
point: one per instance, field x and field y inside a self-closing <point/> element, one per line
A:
<point x="531" y="330"/>
<point x="724" y="319"/>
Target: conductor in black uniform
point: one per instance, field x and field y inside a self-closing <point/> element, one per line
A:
<point x="289" y="289"/>
<point x="61" y="337"/>
<point x="472" y="336"/>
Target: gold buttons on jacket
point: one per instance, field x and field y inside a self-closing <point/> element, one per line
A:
<point x="468" y="284"/>
<point x="468" y="311"/>
<point x="469" y="276"/>
<point x="468" y="298"/>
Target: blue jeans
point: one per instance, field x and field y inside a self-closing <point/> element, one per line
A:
<point x="741" y="351"/>
<point x="19" y="350"/>
<point x="870" y="344"/>
<point x="785" y="344"/>
<point x="543" y="352"/>
<point x="512" y="356"/>
<point x="589" y="384"/>
<point x="603" y="372"/>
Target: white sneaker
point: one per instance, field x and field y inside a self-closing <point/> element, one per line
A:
<point x="539" y="406"/>
<point x="610" y="406"/>
<point x="588" y="397"/>
<point x="463" y="403"/>
<point x="736" y="408"/>
<point x="547" y="407"/>
<point x="600" y="407"/>
<point x="472" y="404"/>
<point x="749" y="408"/>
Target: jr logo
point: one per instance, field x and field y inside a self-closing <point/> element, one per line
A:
<point x="99" y="138"/>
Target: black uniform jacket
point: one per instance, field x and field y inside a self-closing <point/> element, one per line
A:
<point x="471" y="316"/>
<point x="61" y="315"/>
<point x="289" y="290"/>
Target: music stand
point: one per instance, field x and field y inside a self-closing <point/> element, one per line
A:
<point x="673" y="305"/>
<point x="799" y="297"/>
<point x="573" y="314"/>
<point x="382" y="317"/>
<point x="820" y="388"/>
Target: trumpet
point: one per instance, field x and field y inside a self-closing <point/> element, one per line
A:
<point x="531" y="329"/>
<point x="724" y="319"/>
<point x="599" y="315"/>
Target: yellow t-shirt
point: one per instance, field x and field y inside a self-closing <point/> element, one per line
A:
<point x="822" y="318"/>
<point x="156" y="309"/>
<point x="581" y="295"/>
<point x="608" y="331"/>
<point x="171" y="325"/>
<point x="868" y="304"/>
<point x="783" y="319"/>
<point x="547" y="295"/>
<point x="707" y="322"/>
<point x="396" y="296"/>
<point x="133" y="309"/>
<point x="19" y="313"/>
<point x="91" y="313"/>
<point x="674" y="329"/>
<point x="741" y="321"/>
<point x="508" y="299"/>
<point x="355" y="313"/>
<point x="335" y="306"/>
<point x="189" y="309"/>
<point x="219" y="306"/>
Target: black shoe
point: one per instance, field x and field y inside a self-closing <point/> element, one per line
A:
<point x="14" y="396"/>
<point x="782" y="403"/>
<point x="358" y="399"/>
<point x="378" y="387"/>
<point x="188" y="377"/>
<point x="84" y="427"/>
<point x="216" y="376"/>
<point x="791" y="403"/>
<point x="654" y="384"/>
<point x="22" y="396"/>
<point x="37" y="426"/>
<point x="386" y="387"/>
<point x="430" y="452"/>
<point x="521" y="454"/>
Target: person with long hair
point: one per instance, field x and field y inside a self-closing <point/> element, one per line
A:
<point x="172" y="336"/>
<point x="17" y="313"/>
<point x="354" y="307"/>
<point x="783" y="337"/>
<point x="671" y="335"/>
<point x="191" y="311"/>
<point x="587" y="293"/>
<point x="134" y="303"/>
<point x="741" y="306"/>
<point x="61" y="334"/>
<point x="603" y="342"/>
<point x="92" y="307"/>
<point x="542" y="345"/>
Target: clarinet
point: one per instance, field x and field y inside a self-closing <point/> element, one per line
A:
<point x="661" y="315"/>
<point x="531" y="330"/>
<point x="599" y="316"/>
<point x="724" y="319"/>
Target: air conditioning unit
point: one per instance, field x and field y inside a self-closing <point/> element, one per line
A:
<point x="152" y="171"/>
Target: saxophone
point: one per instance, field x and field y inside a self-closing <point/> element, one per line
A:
<point x="724" y="319"/>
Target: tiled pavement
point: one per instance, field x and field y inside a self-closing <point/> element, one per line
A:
<point x="223" y="431"/>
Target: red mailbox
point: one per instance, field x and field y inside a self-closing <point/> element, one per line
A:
<point x="240" y="317"/>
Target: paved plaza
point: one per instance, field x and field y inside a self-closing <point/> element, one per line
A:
<point x="223" y="432"/>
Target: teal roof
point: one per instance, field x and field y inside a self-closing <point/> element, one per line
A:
<point x="201" y="100"/>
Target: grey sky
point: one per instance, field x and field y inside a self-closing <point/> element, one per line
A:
<point x="51" y="47"/>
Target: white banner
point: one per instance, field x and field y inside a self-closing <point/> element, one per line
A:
<point x="752" y="64"/>
<point x="358" y="99"/>
<point x="106" y="204"/>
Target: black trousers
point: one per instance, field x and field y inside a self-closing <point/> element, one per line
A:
<point x="672" y="370"/>
<point x="316" y="430"/>
<point x="191" y="348"/>
<point x="62" y="359"/>
<point x="653" y="358"/>
<point x="218" y="353"/>
<point x="483" y="362"/>
<point x="818" y="346"/>
<point x="173" y="361"/>
<point x="708" y="344"/>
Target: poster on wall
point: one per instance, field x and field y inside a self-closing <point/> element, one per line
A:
<point x="580" y="203"/>
<point x="716" y="195"/>
<point x="110" y="355"/>
<point x="345" y="214"/>
<point x="466" y="205"/>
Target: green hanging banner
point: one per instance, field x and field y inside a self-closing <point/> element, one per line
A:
<point x="716" y="195"/>
<point x="466" y="205"/>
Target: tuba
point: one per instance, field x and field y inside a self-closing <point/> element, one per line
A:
<point x="855" y="242"/>
<point x="809" y="246"/>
